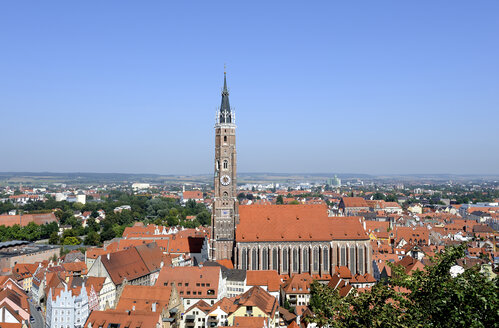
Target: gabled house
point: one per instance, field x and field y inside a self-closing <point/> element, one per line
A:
<point x="296" y="290"/>
<point x="194" y="283"/>
<point x="122" y="268"/>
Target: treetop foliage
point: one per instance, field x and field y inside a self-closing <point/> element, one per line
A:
<point x="429" y="298"/>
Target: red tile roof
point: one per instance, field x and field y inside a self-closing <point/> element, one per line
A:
<point x="133" y="319"/>
<point x="260" y="278"/>
<point x="142" y="298"/>
<point x="191" y="282"/>
<point x="124" y="264"/>
<point x="298" y="284"/>
<point x="23" y="220"/>
<point x="354" y="202"/>
<point x="295" y="223"/>
<point x="249" y="322"/>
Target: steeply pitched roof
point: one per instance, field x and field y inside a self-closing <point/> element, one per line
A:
<point x="269" y="278"/>
<point x="191" y="282"/>
<point x="142" y="297"/>
<point x="354" y="202"/>
<point x="258" y="297"/>
<point x="295" y="223"/>
<point x="298" y="284"/>
<point x="124" y="264"/>
<point x="249" y="322"/>
<point x="152" y="255"/>
<point x="133" y="319"/>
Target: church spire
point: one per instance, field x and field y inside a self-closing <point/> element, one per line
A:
<point x="225" y="112"/>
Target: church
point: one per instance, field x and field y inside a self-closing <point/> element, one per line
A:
<point x="287" y="238"/>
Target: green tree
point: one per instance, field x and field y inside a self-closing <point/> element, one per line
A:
<point x="431" y="298"/>
<point x="92" y="239"/>
<point x="54" y="238"/>
<point x="279" y="200"/>
<point x="71" y="241"/>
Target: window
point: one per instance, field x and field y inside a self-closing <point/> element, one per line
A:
<point x="315" y="259"/>
<point x="285" y="260"/>
<point x="352" y="258"/>
<point x="225" y="138"/>
<point x="343" y="257"/>
<point x="254" y="259"/>
<point x="265" y="259"/>
<point x="226" y="164"/>
<point x="295" y="260"/>
<point x="275" y="261"/>
<point x="361" y="260"/>
<point x="325" y="259"/>
<point x="244" y="259"/>
<point x="306" y="260"/>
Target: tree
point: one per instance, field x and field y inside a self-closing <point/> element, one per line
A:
<point x="92" y="238"/>
<point x="429" y="298"/>
<point x="71" y="241"/>
<point x="54" y="238"/>
<point x="279" y="200"/>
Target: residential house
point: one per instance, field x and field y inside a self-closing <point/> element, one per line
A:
<point x="194" y="283"/>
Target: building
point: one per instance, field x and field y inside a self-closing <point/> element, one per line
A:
<point x="14" y="306"/>
<point x="24" y="219"/>
<point x="156" y="299"/>
<point x="67" y="307"/>
<point x="119" y="318"/>
<point x="138" y="265"/>
<point x="300" y="238"/>
<point x="225" y="206"/>
<point x="19" y="251"/>
<point x="296" y="290"/>
<point x="256" y="303"/>
<point x="194" y="283"/>
<point x="353" y="205"/>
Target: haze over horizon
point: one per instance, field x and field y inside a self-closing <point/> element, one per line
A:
<point x="373" y="88"/>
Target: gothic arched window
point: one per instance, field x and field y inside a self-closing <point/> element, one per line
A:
<point x="343" y="256"/>
<point x="315" y="259"/>
<point x="225" y="138"/>
<point x="295" y="260"/>
<point x="361" y="260"/>
<point x="285" y="260"/>
<point x="275" y="259"/>
<point x="325" y="259"/>
<point x="306" y="260"/>
<point x="265" y="259"/>
<point x="226" y="164"/>
<point x="352" y="259"/>
<point x="244" y="259"/>
<point x="254" y="259"/>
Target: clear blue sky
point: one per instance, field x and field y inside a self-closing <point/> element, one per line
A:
<point x="351" y="86"/>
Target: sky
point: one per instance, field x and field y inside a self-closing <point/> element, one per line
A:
<point x="376" y="87"/>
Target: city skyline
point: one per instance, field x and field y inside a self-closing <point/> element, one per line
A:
<point x="345" y="89"/>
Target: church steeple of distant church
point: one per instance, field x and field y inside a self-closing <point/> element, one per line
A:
<point x="225" y="112"/>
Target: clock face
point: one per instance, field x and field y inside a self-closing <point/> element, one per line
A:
<point x="225" y="180"/>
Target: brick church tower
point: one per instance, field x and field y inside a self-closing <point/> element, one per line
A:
<point x="225" y="215"/>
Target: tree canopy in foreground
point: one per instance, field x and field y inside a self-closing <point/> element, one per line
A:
<point x="430" y="298"/>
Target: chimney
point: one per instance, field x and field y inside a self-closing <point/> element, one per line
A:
<point x="153" y="307"/>
<point x="108" y="256"/>
<point x="133" y="308"/>
<point x="162" y="264"/>
<point x="364" y="224"/>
